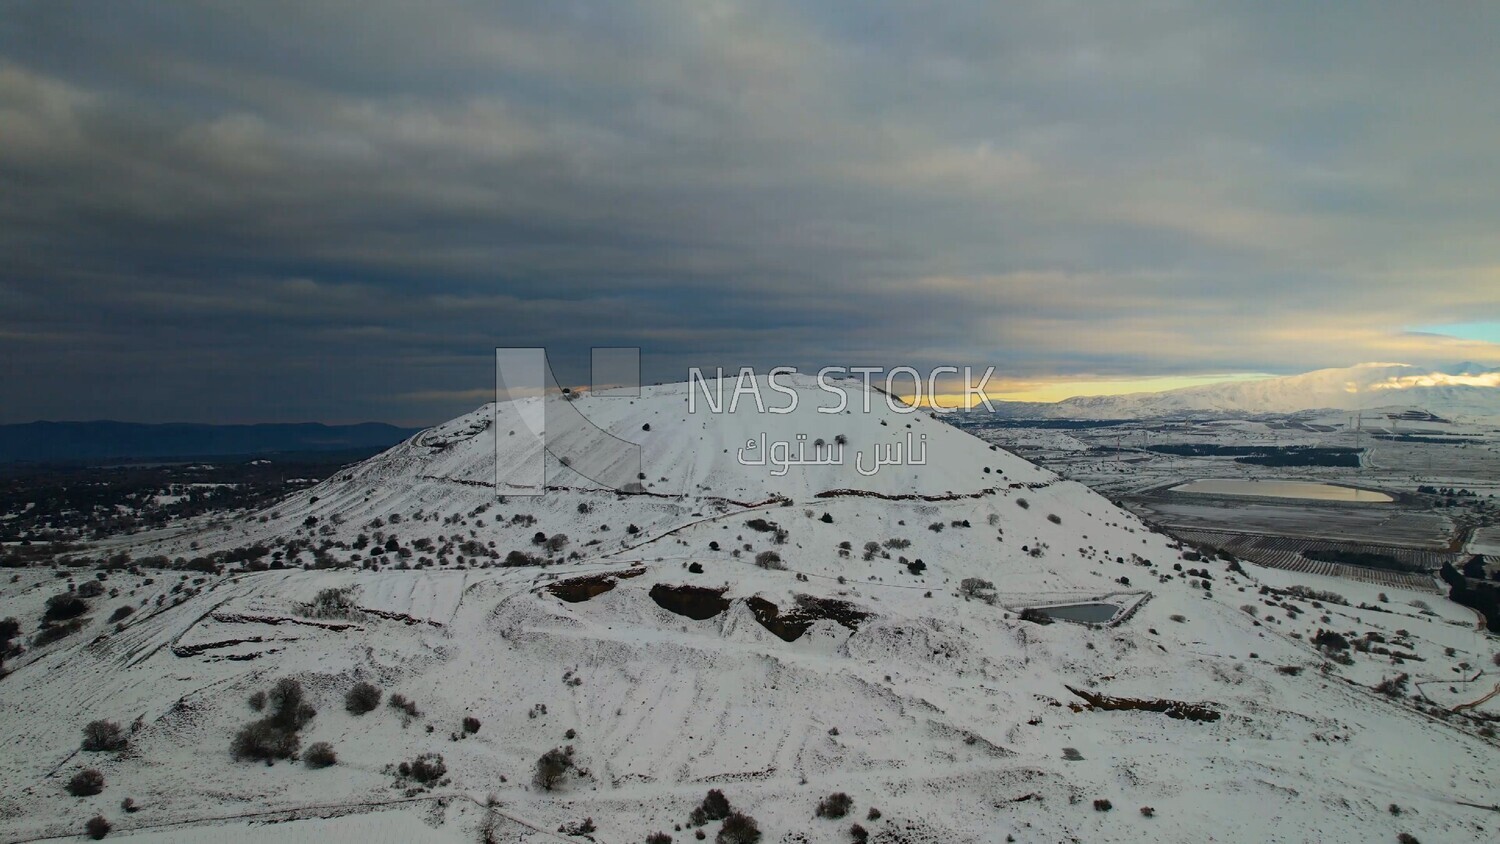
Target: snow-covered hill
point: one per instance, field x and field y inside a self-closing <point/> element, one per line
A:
<point x="881" y="652"/>
<point x="1464" y="392"/>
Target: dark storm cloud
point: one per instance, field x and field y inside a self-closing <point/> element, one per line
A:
<point x="336" y="210"/>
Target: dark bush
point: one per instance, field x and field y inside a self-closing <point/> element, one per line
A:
<point x="426" y="769"/>
<point x="1407" y="838"/>
<point x="471" y="724"/>
<point x="516" y="559"/>
<point x="1330" y="641"/>
<point x="289" y="709"/>
<point x="65" y="605"/>
<point x="769" y="560"/>
<point x="658" y="838"/>
<point x="56" y="632"/>
<point x="1392" y="686"/>
<point x="364" y="697"/>
<point x="1054" y="518"/>
<point x="1102" y="805"/>
<point x="738" y="828"/>
<point x="320" y="755"/>
<point x="859" y="833"/>
<point x="97" y="827"/>
<point x="257" y="701"/>
<point x="1148" y="812"/>
<point x="399" y="701"/>
<point x="715" y="807"/>
<point x="551" y="768"/>
<point x="264" y="741"/>
<point x="86" y="783"/>
<point x="873" y="814"/>
<point x="835" y="805"/>
<point x="103" y="735"/>
<point x="121" y="613"/>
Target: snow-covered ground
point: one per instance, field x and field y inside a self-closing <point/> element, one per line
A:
<point x="932" y="702"/>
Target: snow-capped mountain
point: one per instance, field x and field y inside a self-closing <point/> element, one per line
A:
<point x="779" y="636"/>
<point x="1465" y="392"/>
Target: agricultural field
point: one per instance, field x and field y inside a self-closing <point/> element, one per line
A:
<point x="1443" y="479"/>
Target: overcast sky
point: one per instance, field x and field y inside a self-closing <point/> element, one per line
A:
<point x="334" y="211"/>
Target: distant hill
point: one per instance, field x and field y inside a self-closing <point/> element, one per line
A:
<point x="45" y="442"/>
<point x="1467" y="391"/>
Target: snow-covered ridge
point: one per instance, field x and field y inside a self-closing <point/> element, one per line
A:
<point x="1466" y="392"/>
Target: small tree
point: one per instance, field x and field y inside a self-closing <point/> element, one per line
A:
<point x="86" y="783"/>
<point x="364" y="697"/>
<point x="97" y="827"/>
<point x="103" y="735"/>
<point x="289" y="710"/>
<point x="263" y="741"/>
<point x="738" y="828"/>
<point x="715" y="807"/>
<point x="471" y="724"/>
<point x="551" y="768"/>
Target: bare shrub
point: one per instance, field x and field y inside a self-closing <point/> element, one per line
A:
<point x="715" y="807"/>
<point x="738" y="828"/>
<point x="426" y="769"/>
<point x="770" y="560"/>
<point x="835" y="805"/>
<point x="104" y="735"/>
<point x="334" y="602"/>
<point x="1392" y="686"/>
<point x="364" y="697"/>
<point x="408" y="707"/>
<point x="551" y="768"/>
<point x="320" y="755"/>
<point x="264" y="741"/>
<point x="971" y="587"/>
<point x="86" y="783"/>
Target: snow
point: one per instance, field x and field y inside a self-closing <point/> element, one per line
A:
<point x="949" y="714"/>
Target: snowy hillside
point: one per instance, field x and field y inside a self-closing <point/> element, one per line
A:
<point x="780" y="638"/>
<point x="1470" y="392"/>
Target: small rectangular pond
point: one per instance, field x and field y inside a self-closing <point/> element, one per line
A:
<point x="1092" y="613"/>
<point x="1306" y="490"/>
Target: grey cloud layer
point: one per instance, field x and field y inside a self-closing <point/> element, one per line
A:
<point x="332" y="210"/>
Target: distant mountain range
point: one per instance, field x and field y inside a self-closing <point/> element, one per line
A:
<point x="47" y="442"/>
<point x="1464" y="391"/>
